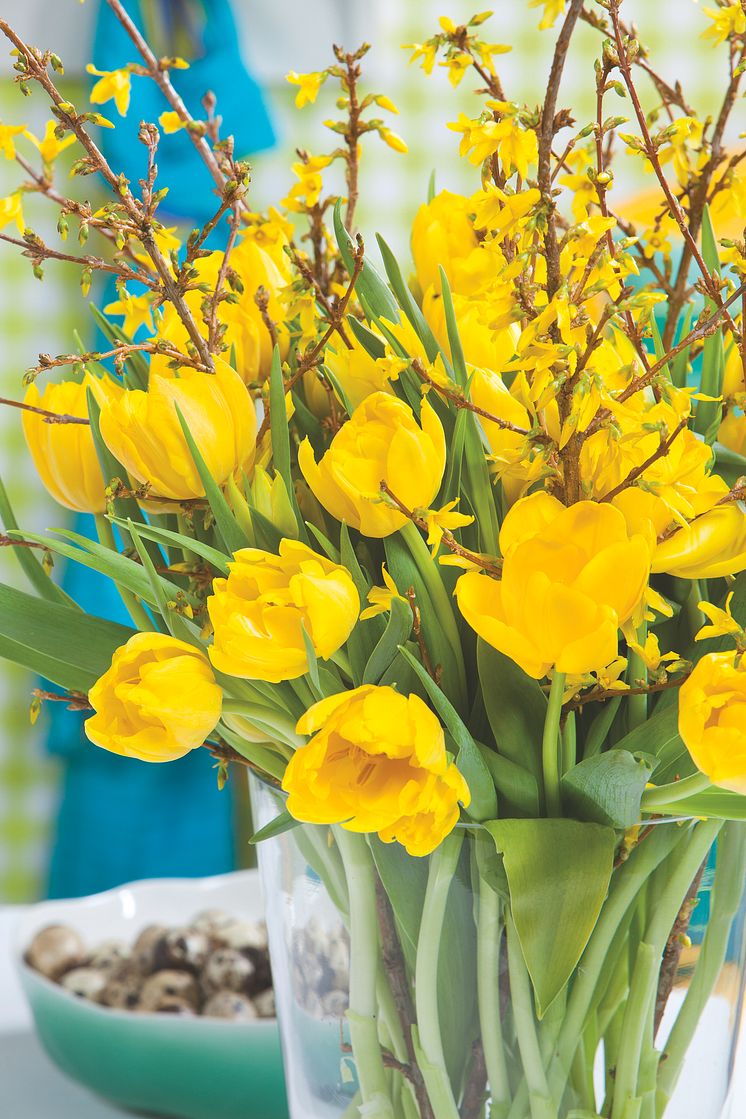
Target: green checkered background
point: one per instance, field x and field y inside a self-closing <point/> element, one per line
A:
<point x="35" y="317"/>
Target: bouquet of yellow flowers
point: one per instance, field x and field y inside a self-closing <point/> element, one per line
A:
<point x="453" y="564"/>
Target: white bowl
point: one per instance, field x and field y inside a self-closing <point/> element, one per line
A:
<point x="187" y="1067"/>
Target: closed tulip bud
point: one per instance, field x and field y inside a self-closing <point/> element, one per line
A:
<point x="377" y="762"/>
<point x="381" y="442"/>
<point x="142" y="429"/>
<point x="64" y="454"/>
<point x="260" y="611"/>
<point x="571" y="577"/>
<point x="158" y="701"/>
<point x="442" y="234"/>
<point x="712" y="719"/>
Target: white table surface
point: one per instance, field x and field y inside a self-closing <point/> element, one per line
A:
<point x="31" y="1087"/>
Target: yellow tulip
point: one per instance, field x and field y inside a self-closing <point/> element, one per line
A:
<point x="377" y="762"/>
<point x="260" y="611"/>
<point x="571" y="577"/>
<point x="515" y="469"/>
<point x="709" y="547"/>
<point x="442" y="234"/>
<point x="142" y="429"/>
<point x="732" y="433"/>
<point x="64" y="454"/>
<point x="381" y="442"/>
<point x="712" y="719"/>
<point x="158" y="701"/>
<point x="482" y="346"/>
<point x="357" y="373"/>
<point x="259" y="261"/>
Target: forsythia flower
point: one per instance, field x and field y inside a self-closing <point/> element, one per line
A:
<point x="112" y="84"/>
<point x="142" y="429"/>
<point x="171" y="122"/>
<point x="552" y="9"/>
<point x="11" y="209"/>
<point x="50" y="146"/>
<point x="722" y="622"/>
<point x="7" y="133"/>
<point x="380" y="442"/>
<point x="380" y="598"/>
<point x="516" y="147"/>
<point x="308" y="86"/>
<point x="444" y="520"/>
<point x="259" y="612"/>
<point x="64" y="454"/>
<point x="137" y="311"/>
<point x="158" y="701"/>
<point x="571" y="577"/>
<point x="712" y="719"/>
<point x="726" y="21"/>
<point x="394" y="140"/>
<point x="377" y="762"/>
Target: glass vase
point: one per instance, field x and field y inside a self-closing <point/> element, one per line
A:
<point x="403" y="993"/>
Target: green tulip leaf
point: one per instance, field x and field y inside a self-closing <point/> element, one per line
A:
<point x="409" y="305"/>
<point x="375" y="297"/>
<point x="607" y="788"/>
<point x="282" y="823"/>
<point x="228" y="529"/>
<point x="68" y="647"/>
<point x="516" y="707"/>
<point x="36" y="574"/>
<point x="558" y="873"/>
<point x="397" y="631"/>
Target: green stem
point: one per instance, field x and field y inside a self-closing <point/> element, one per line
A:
<point x="489" y="941"/>
<point x="569" y="743"/>
<point x="441" y="601"/>
<point x="637" y="672"/>
<point x="134" y="607"/>
<point x="600" y="727"/>
<point x="186" y="530"/>
<point x="362" y="1014"/>
<point x="648" y="961"/>
<point x="550" y="746"/>
<point x="525" y="1027"/>
<point x="727" y="890"/>
<point x="653" y="799"/>
<point x="625" y="890"/>
<point x="443" y="863"/>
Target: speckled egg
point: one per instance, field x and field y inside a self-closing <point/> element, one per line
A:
<point x="109" y="954"/>
<point x="227" y="969"/>
<point x="85" y="982"/>
<point x="55" y="950"/>
<point x="244" y="935"/>
<point x="168" y="984"/>
<point x="264" y="1004"/>
<point x="143" y="950"/>
<point x="182" y="948"/>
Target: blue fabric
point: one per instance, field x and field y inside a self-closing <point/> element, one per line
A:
<point x="204" y="34"/>
<point x="121" y="819"/>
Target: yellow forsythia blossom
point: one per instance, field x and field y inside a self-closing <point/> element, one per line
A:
<point x="712" y="719"/>
<point x="308" y="86"/>
<point x="112" y="85"/>
<point x="726" y="21"/>
<point x="381" y="442"/>
<point x="142" y="429"/>
<point x="158" y="701"/>
<point x="50" y="145"/>
<point x="8" y="132"/>
<point x="377" y="762"/>
<point x="259" y="612"/>
<point x="571" y="577"/>
<point x="171" y="122"/>
<point x="11" y="209"/>
<point x="64" y="454"/>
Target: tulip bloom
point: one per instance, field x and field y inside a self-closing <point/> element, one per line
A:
<point x="380" y="442"/>
<point x="142" y="429"/>
<point x="64" y="454"/>
<point x="259" y="612"/>
<point x="377" y="762"/>
<point x="712" y="719"/>
<point x="443" y="234"/>
<point x="571" y="577"/>
<point x="158" y="701"/>
<point x="711" y="546"/>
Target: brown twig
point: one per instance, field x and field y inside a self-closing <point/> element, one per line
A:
<point x="663" y="448"/>
<point x="475" y="1089"/>
<point x="674" y="945"/>
<point x="461" y="401"/>
<point x="396" y="973"/>
<point x="48" y="417"/>
<point x="598" y="695"/>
